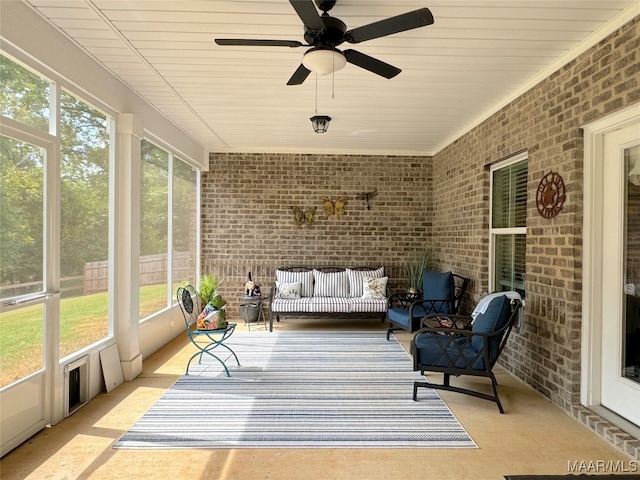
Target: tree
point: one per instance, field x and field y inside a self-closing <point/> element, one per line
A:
<point x="84" y="180"/>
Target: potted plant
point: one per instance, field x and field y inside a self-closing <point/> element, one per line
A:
<point x="421" y="259"/>
<point x="213" y="315"/>
<point x="209" y="284"/>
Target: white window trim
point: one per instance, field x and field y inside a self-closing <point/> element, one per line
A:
<point x="493" y="232"/>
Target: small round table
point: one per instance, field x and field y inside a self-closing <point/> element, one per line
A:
<point x="253" y="302"/>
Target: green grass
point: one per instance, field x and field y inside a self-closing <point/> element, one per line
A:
<point x="83" y="321"/>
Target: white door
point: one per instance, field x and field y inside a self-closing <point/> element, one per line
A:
<point x="26" y="296"/>
<point x="620" y="374"/>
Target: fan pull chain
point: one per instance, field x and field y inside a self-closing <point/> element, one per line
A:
<point x="333" y="77"/>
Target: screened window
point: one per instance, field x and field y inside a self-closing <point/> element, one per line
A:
<point x="508" y="224"/>
<point x="24" y="96"/>
<point x="154" y="221"/>
<point x="168" y="235"/>
<point x="84" y="224"/>
<point x="54" y="223"/>
<point x="184" y="228"/>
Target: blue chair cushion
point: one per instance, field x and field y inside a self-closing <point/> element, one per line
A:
<point x="400" y="316"/>
<point x="438" y="286"/>
<point x="429" y="348"/>
<point x="494" y="318"/>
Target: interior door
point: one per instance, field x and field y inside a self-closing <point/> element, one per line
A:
<point x="620" y="376"/>
<point x="25" y="298"/>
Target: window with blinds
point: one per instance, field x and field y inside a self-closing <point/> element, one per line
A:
<point x="508" y="224"/>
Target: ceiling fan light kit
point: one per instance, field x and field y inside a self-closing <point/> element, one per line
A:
<point x="320" y="123"/>
<point x="324" y="33"/>
<point x="324" y="60"/>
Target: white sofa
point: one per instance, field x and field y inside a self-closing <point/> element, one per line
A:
<point x="301" y="291"/>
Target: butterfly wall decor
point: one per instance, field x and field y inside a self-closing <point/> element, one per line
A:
<point x="333" y="207"/>
<point x="303" y="217"/>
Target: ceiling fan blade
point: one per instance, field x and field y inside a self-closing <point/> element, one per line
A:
<point x="299" y="76"/>
<point x="258" y="43"/>
<point x="307" y="12"/>
<point x="389" y="26"/>
<point x="372" y="64"/>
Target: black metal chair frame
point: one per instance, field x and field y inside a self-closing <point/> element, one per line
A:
<point x="411" y="301"/>
<point x="204" y="340"/>
<point x="454" y="334"/>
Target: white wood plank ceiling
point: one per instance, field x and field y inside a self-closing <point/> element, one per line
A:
<point x="476" y="57"/>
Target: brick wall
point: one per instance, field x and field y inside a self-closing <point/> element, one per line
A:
<point x="248" y="224"/>
<point x="545" y="121"/>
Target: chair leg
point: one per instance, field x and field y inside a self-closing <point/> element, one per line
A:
<point x="494" y="384"/>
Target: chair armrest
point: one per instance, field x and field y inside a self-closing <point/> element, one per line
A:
<point x="403" y="299"/>
<point x="456" y="332"/>
<point x="460" y="322"/>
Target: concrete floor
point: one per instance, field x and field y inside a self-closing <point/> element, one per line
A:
<point x="532" y="437"/>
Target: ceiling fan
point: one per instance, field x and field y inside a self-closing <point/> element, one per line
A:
<point x="324" y="33"/>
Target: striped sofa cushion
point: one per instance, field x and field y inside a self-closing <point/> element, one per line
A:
<point x="330" y="305"/>
<point x="332" y="284"/>
<point x="292" y="305"/>
<point x="368" y="305"/>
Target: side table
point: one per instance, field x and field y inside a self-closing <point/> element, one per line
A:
<point x="248" y="303"/>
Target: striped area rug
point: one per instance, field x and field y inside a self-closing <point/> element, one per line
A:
<point x="300" y="390"/>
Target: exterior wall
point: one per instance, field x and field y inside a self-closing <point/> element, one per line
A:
<point x="545" y="121"/>
<point x="248" y="223"/>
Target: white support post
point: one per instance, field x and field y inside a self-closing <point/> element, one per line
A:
<point x="127" y="244"/>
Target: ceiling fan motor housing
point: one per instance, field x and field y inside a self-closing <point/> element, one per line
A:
<point x="331" y="36"/>
<point x="325" y="5"/>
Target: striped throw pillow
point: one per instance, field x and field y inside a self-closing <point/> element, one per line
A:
<point x="305" y="278"/>
<point x="331" y="284"/>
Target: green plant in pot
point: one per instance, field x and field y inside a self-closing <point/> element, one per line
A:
<point x="211" y="298"/>
<point x="420" y="260"/>
<point x="209" y="284"/>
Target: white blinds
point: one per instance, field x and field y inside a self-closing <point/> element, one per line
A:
<point x="509" y="207"/>
<point x="508" y="226"/>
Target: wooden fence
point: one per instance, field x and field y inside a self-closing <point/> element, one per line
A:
<point x="153" y="271"/>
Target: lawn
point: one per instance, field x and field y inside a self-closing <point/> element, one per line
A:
<point x="83" y="321"/>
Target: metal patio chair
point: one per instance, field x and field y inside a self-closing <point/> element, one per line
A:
<point x="471" y="350"/>
<point x="205" y="340"/>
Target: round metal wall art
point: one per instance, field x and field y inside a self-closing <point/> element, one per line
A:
<point x="550" y="195"/>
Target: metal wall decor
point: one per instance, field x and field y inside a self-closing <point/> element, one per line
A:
<point x="303" y="217"/>
<point x="550" y="195"/>
<point x="366" y="196"/>
<point x="333" y="207"/>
